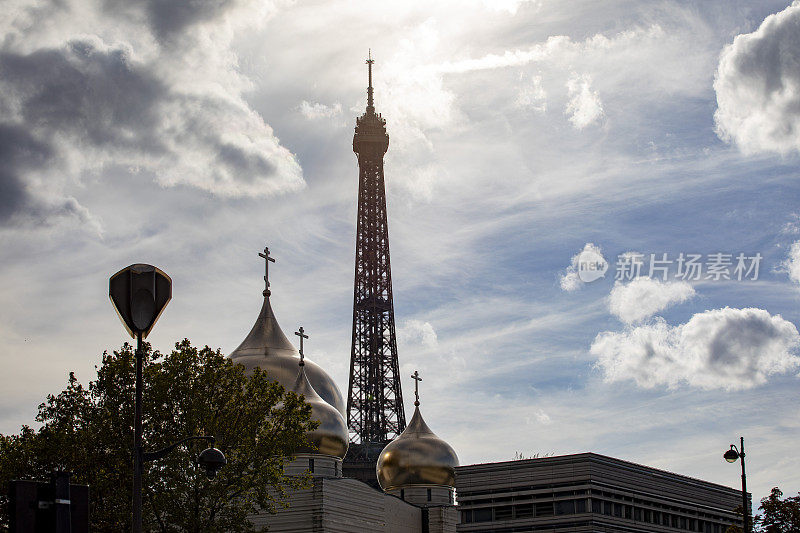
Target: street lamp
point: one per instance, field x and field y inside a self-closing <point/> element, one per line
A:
<point x="210" y="459"/>
<point x="732" y="456"/>
<point x="139" y="294"/>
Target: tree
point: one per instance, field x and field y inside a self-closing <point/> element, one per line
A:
<point x="779" y="516"/>
<point x="89" y="431"/>
<point x="736" y="528"/>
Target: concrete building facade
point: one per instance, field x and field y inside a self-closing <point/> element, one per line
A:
<point x="333" y="504"/>
<point x="589" y="493"/>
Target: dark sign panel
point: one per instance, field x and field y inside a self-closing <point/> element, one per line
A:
<point x="56" y="507"/>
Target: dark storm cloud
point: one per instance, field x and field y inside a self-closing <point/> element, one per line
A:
<point x="19" y="151"/>
<point x="90" y="104"/>
<point x="98" y="94"/>
<point x="94" y="94"/>
<point x="249" y="163"/>
<point x="168" y="18"/>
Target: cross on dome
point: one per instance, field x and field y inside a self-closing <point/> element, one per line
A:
<point x="267" y="260"/>
<point x="417" y="379"/>
<point x="301" y="333"/>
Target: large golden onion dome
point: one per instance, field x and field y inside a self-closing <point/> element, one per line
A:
<point x="267" y="347"/>
<point x="331" y="436"/>
<point x="417" y="457"/>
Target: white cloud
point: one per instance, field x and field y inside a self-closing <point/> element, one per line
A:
<point x="584" y="107"/>
<point x="542" y="417"/>
<point x="415" y="331"/>
<point x="511" y="6"/>
<point x="793" y="226"/>
<point x="758" y="86"/>
<point x="719" y="349"/>
<point x="643" y="297"/>
<point x="569" y="278"/>
<point x="561" y="48"/>
<point x="532" y="95"/>
<point x="420" y="182"/>
<point x="411" y="89"/>
<point x="316" y="110"/>
<point x="792" y="262"/>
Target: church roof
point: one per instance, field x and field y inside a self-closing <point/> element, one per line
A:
<point x="417" y="457"/>
<point x="267" y="347"/>
<point x="331" y="436"/>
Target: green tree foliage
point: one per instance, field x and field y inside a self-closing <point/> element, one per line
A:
<point x="735" y="528"/>
<point x="778" y="515"/>
<point x="89" y="431"/>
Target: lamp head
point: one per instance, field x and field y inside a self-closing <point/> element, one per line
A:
<point x="731" y="455"/>
<point x="211" y="460"/>
<point x="139" y="294"/>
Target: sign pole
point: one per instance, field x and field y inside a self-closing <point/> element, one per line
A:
<point x="137" y="440"/>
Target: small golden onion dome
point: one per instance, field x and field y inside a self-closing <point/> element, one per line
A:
<point x="417" y="457"/>
<point x="267" y="347"/>
<point x="331" y="436"/>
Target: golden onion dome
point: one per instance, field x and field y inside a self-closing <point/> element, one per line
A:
<point x="417" y="457"/>
<point x="331" y="436"/>
<point x="267" y="347"/>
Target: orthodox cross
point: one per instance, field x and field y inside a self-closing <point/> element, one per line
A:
<point x="301" y="333"/>
<point x="268" y="260"/>
<point x="417" y="379"/>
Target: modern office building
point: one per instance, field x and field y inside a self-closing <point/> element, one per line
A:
<point x="589" y="493"/>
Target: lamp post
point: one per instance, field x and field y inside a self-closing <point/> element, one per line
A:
<point x="732" y="456"/>
<point x="139" y="294"/>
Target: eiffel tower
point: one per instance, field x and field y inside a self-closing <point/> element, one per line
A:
<point x="375" y="413"/>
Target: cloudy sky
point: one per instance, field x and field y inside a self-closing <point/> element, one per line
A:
<point x="526" y="136"/>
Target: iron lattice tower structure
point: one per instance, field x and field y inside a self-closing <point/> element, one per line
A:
<point x="375" y="413"/>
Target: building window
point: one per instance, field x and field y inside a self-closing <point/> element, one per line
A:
<point x="482" y="515"/>
<point x="597" y="506"/>
<point x="403" y="494"/>
<point x="580" y="506"/>
<point x="503" y="513"/>
<point x="311" y="464"/>
<point x="565" y="507"/>
<point x="429" y="494"/>
<point x="466" y="517"/>
<point x="523" y="511"/>
<point x="451" y="497"/>
<point x="544" y="509"/>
